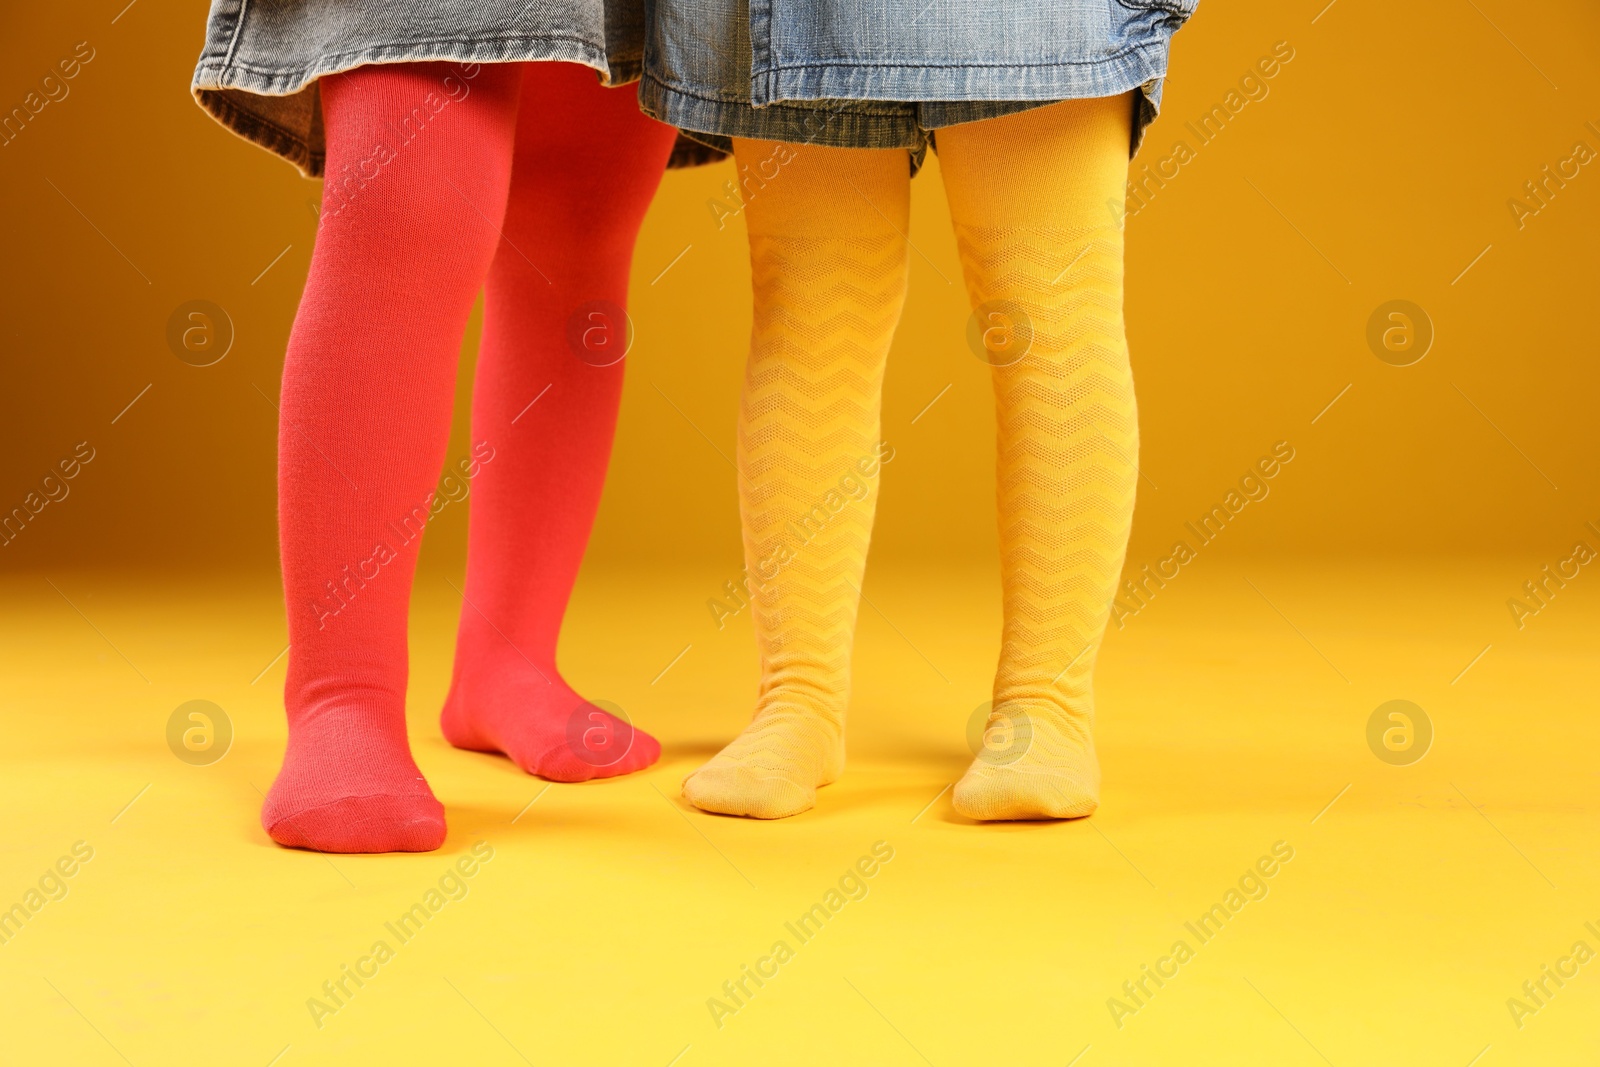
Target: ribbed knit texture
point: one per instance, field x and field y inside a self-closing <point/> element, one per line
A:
<point x="828" y="264"/>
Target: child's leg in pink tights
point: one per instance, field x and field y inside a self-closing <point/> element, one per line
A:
<point x="587" y="163"/>
<point x="411" y="209"/>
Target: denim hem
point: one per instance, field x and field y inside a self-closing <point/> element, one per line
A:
<point x="228" y="72"/>
<point x="1149" y="104"/>
<point x="247" y="98"/>
<point x="714" y="122"/>
<point x="927" y="83"/>
<point x="690" y="151"/>
<point x="254" y="127"/>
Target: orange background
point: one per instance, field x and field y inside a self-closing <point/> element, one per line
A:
<point x="1377" y="167"/>
<point x="1235" y="713"/>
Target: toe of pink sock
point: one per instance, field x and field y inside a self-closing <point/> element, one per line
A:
<point x="575" y="763"/>
<point x="379" y="823"/>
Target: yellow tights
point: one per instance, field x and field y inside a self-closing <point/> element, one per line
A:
<point x="1042" y="256"/>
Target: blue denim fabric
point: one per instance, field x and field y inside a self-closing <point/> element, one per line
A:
<point x="259" y="68"/>
<point x="886" y="74"/>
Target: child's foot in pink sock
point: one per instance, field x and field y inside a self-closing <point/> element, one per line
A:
<point x="349" y="784"/>
<point x="540" y="464"/>
<point x="545" y="727"/>
<point x="368" y="388"/>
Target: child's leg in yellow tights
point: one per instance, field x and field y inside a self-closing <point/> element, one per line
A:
<point x="828" y="266"/>
<point x="1030" y="197"/>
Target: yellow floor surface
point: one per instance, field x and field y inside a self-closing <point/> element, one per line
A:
<point x="1234" y="712"/>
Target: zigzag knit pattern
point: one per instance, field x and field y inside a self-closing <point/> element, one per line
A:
<point x="1068" y="442"/>
<point x="808" y="457"/>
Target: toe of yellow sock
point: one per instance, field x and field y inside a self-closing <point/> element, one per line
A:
<point x="997" y="793"/>
<point x="732" y="790"/>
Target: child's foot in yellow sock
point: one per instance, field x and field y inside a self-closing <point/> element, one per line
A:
<point x="773" y="769"/>
<point x="1046" y="769"/>
<point x="1027" y="195"/>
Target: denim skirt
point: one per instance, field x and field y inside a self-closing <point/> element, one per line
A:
<point x="258" y="71"/>
<point x="887" y="73"/>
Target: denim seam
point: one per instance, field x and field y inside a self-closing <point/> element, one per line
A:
<point x="858" y="65"/>
<point x="858" y="107"/>
<point x="238" y="32"/>
<point x="281" y="82"/>
<point x="219" y="99"/>
<point x="253" y="128"/>
<point x="390" y="47"/>
<point x="759" y="20"/>
<point x="892" y="124"/>
<point x="815" y="76"/>
<point x="1170" y="7"/>
<point x="870" y="65"/>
